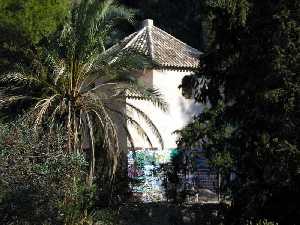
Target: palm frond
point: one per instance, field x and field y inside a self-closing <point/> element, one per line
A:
<point x="147" y="94"/>
<point x="18" y="78"/>
<point x="7" y="100"/>
<point x="119" y="12"/>
<point x="43" y="105"/>
<point x="77" y="84"/>
<point x="149" y="122"/>
<point x="110" y="138"/>
<point x="139" y="129"/>
<point x="57" y="113"/>
<point x="130" y="120"/>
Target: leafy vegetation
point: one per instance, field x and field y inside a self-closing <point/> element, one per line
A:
<point x="81" y="86"/>
<point x="41" y="183"/>
<point x="24" y="26"/>
<point x="55" y="69"/>
<point x="32" y="18"/>
<point x="38" y="177"/>
<point x="250" y="78"/>
<point x="73" y="92"/>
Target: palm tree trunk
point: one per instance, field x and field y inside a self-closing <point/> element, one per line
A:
<point x="69" y="126"/>
<point x="76" y="140"/>
<point x="93" y="160"/>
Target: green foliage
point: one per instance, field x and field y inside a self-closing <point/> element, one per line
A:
<point x="104" y="216"/>
<point x="37" y="175"/>
<point x="24" y="26"/>
<point x="33" y="19"/>
<point x="172" y="181"/>
<point x="76" y="83"/>
<point x="213" y="133"/>
<point x="42" y="184"/>
<point x="252" y="69"/>
<point x="107" y="217"/>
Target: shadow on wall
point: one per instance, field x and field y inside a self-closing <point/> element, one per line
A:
<point x="189" y="108"/>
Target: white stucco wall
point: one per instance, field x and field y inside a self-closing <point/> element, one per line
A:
<point x="180" y="112"/>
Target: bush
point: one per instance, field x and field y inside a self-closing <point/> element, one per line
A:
<point x="38" y="179"/>
<point x="106" y="217"/>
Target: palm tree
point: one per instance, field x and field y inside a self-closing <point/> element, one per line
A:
<point x="82" y="86"/>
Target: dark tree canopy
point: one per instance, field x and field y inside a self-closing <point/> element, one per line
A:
<point x="35" y="19"/>
<point x="252" y="82"/>
<point x="24" y="25"/>
<point x="180" y="18"/>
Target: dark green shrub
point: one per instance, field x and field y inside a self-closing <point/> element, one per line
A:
<point x="37" y="176"/>
<point x="106" y="217"/>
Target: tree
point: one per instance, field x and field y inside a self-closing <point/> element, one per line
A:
<point x="251" y="69"/>
<point x="24" y="24"/>
<point x="183" y="19"/>
<point x="32" y="18"/>
<point x="83" y="87"/>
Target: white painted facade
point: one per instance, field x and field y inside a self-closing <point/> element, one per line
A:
<point x="180" y="113"/>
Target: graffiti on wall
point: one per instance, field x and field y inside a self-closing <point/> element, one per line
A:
<point x="145" y="169"/>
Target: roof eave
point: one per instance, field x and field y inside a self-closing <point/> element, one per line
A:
<point x="176" y="68"/>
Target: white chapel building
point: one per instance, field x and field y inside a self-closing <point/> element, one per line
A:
<point x="171" y="60"/>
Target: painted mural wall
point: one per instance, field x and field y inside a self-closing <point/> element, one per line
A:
<point x="145" y="162"/>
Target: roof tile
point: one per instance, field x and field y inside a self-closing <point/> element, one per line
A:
<point x="163" y="49"/>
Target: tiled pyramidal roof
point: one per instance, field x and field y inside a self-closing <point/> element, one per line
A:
<point x="164" y="50"/>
